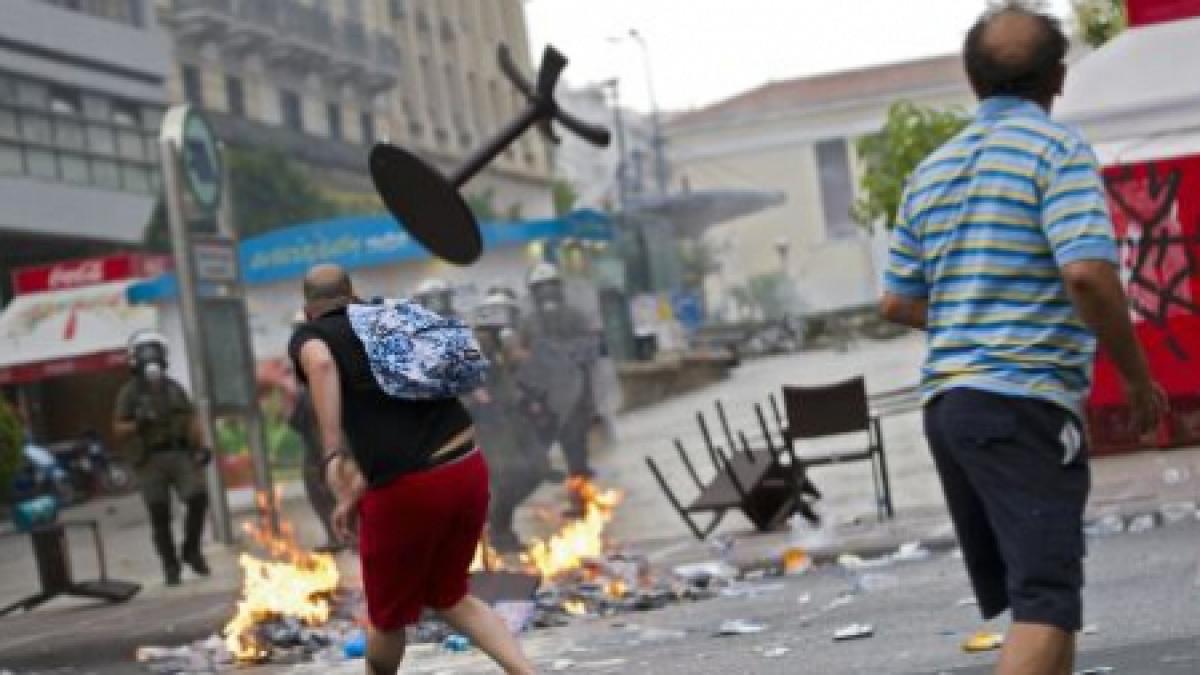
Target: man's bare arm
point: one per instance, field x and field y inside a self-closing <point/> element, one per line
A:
<point x="1096" y="292"/>
<point x="911" y="312"/>
<point x="325" y="390"/>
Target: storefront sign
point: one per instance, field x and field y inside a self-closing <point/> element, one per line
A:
<point x="1143" y="12"/>
<point x="86" y="272"/>
<point x="216" y="260"/>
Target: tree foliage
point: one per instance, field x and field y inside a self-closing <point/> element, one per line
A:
<point x="565" y="197"/>
<point x="1098" y="21"/>
<point x="269" y="192"/>
<point x="11" y="438"/>
<point x="909" y="135"/>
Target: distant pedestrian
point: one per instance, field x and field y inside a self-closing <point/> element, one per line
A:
<point x="1003" y="251"/>
<point x="408" y="472"/>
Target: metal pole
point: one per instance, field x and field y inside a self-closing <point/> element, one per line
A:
<point x="256" y="432"/>
<point x="660" y="162"/>
<point x="189" y="314"/>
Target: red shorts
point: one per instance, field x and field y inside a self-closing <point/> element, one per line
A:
<point x="417" y="538"/>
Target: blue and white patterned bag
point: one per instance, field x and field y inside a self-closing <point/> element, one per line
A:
<point x="417" y="354"/>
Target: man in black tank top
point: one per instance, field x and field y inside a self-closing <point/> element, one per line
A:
<point x="408" y="480"/>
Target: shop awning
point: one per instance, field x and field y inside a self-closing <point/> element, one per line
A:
<point x="67" y="332"/>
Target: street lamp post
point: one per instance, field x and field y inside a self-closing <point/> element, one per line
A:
<point x="660" y="162"/>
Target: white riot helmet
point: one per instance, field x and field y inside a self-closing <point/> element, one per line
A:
<point x="436" y="295"/>
<point x="542" y="273"/>
<point x="147" y="354"/>
<point x="498" y="310"/>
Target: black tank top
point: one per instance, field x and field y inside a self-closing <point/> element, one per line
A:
<point x="388" y="436"/>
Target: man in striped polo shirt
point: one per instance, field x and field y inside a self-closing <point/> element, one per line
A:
<point x="1003" y="251"/>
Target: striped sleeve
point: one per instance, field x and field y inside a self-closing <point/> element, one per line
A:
<point x="905" y="273"/>
<point x="1075" y="214"/>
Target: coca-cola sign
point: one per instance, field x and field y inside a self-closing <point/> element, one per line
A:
<point x="85" y="272"/>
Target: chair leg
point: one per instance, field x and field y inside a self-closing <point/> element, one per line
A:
<point x="662" y="483"/>
<point x="708" y="445"/>
<point x="724" y="420"/>
<point x="775" y="412"/>
<point x="883" y="469"/>
<point x="687" y="464"/>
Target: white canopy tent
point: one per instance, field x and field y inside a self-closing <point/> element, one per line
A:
<point x="69" y="331"/>
<point x="1138" y="97"/>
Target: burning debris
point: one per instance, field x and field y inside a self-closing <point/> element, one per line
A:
<point x="291" y="589"/>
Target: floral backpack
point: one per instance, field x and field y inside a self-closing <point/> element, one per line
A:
<point x="417" y="354"/>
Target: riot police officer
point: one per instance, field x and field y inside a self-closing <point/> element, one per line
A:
<point x="555" y="327"/>
<point x="154" y="414"/>
<point x="436" y="295"/>
<point x="516" y="458"/>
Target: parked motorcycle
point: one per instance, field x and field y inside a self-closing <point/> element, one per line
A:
<point x="92" y="470"/>
<point x="42" y="474"/>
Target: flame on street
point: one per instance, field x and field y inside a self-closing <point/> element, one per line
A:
<point x="292" y="582"/>
<point x="578" y="540"/>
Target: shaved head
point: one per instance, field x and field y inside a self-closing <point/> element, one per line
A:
<point x="326" y="287"/>
<point x="1014" y="50"/>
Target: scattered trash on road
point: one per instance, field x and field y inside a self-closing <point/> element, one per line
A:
<point x="713" y="569"/>
<point x="841" y="600"/>
<point x="776" y="652"/>
<point x="559" y="665"/>
<point x="968" y="601"/>
<point x="456" y="643"/>
<point x="1105" y="526"/>
<point x="1176" y="475"/>
<point x="1097" y="670"/>
<point x="855" y="631"/>
<point x="1177" y="512"/>
<point x="983" y="641"/>
<point x="740" y="627"/>
<point x="804" y="599"/>
<point x="1090" y="629"/>
<point x="913" y="551"/>
<point x="1143" y="523"/>
<point x="873" y="582"/>
<point x="748" y="590"/>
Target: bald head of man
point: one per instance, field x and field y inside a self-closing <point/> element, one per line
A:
<point x="1014" y="50"/>
<point x="327" y="287"/>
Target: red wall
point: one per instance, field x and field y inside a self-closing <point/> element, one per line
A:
<point x="1142" y="12"/>
<point x="1156" y="214"/>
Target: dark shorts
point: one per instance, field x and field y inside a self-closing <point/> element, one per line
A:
<point x="417" y="538"/>
<point x="1016" y="494"/>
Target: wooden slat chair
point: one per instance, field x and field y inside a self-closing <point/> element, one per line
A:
<point x="819" y="412"/>
<point x="734" y="486"/>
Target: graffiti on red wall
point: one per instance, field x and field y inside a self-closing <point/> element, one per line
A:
<point x="1155" y="208"/>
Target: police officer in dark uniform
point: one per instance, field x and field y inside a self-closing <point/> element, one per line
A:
<point x="155" y="415"/>
<point x="515" y="455"/>
<point x="558" y="328"/>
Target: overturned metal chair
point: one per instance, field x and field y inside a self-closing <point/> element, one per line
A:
<point x="759" y="483"/>
<point x="833" y="410"/>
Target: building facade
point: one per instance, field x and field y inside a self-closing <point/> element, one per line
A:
<point x="798" y="137"/>
<point x="82" y="93"/>
<point x="325" y="79"/>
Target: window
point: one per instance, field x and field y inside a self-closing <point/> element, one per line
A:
<point x="32" y="94"/>
<point x="193" y="86"/>
<point x="130" y="144"/>
<point x="10" y="160"/>
<point x="333" y="113"/>
<point x="35" y="127"/>
<point x="41" y="164"/>
<point x="837" y="188"/>
<point x="97" y="108"/>
<point x="64" y="102"/>
<point x="293" y="114"/>
<point x="366" y="123"/>
<point x="68" y="134"/>
<point x="8" y="124"/>
<point x="101" y="139"/>
<point x="398" y="8"/>
<point x="235" y="96"/>
<point x="135" y="178"/>
<point x="74" y="169"/>
<point x="125" y="114"/>
<point x="105" y="174"/>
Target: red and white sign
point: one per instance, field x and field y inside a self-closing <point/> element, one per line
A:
<point x="66" y="332"/>
<point x="1144" y="12"/>
<point x="86" y="272"/>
